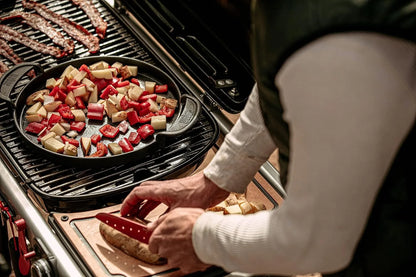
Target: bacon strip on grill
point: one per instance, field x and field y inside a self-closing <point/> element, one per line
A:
<point x="9" y="34"/>
<point x="7" y="52"/>
<point x="74" y="30"/>
<point x="3" y="68"/>
<point x="39" y="23"/>
<point x="96" y="20"/>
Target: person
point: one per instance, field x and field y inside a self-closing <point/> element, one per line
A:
<point x="335" y="93"/>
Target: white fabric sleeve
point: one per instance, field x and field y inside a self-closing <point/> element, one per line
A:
<point x="350" y="100"/>
<point x="245" y="148"/>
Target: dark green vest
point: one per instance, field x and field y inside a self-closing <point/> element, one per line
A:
<point x="282" y="27"/>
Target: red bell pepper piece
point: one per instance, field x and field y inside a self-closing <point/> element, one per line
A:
<point x="144" y="98"/>
<point x="124" y="104"/>
<point x="35" y="127"/>
<point x="133" y="117"/>
<point x="85" y="68"/>
<point x="54" y="91"/>
<point x="65" y="112"/>
<point x="125" y="145"/>
<point x="146" y="131"/>
<point x="114" y="81"/>
<point x="95" y="111"/>
<point x="134" y="138"/>
<point x="80" y="102"/>
<point x="60" y="95"/>
<point x="95" y="138"/>
<point x="100" y="83"/>
<point x="122" y="84"/>
<point x="169" y="112"/>
<point x="77" y="126"/>
<point x="133" y="104"/>
<point x="70" y="140"/>
<point x="109" y="90"/>
<point x="135" y="81"/>
<point x="144" y="111"/>
<point x="102" y="150"/>
<point x="161" y="88"/>
<point x="146" y="118"/>
<point x="54" y="119"/>
<point x="72" y="87"/>
<point x="109" y="131"/>
<point x="123" y="126"/>
<point x="72" y="84"/>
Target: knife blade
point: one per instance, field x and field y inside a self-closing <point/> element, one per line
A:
<point x="127" y="226"/>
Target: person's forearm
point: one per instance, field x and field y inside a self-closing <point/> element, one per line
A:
<point x="244" y="150"/>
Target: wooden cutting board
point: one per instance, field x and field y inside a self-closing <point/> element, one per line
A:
<point x="82" y="229"/>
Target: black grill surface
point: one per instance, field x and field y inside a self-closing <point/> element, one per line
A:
<point x="68" y="189"/>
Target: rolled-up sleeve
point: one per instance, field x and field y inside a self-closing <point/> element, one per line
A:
<point x="244" y="150"/>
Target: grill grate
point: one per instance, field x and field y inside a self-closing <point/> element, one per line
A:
<point x="63" y="189"/>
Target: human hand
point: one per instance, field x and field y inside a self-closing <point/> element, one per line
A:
<point x="193" y="191"/>
<point x="172" y="239"/>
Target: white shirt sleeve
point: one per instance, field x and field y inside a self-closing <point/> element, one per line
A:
<point x="244" y="150"/>
<point x="349" y="100"/>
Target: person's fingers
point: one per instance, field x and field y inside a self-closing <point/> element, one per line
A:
<point x="131" y="203"/>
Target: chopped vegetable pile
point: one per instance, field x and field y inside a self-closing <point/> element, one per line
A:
<point x="59" y="114"/>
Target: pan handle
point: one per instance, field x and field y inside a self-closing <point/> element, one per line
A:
<point x="10" y="78"/>
<point x="187" y="117"/>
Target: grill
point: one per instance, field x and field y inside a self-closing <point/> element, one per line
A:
<point x="55" y="199"/>
<point x="58" y="185"/>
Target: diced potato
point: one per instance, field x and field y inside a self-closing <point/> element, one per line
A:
<point x="122" y="90"/>
<point x="50" y="107"/>
<point x="72" y="74"/>
<point x="134" y="92"/>
<point x="125" y="72"/>
<point x="110" y="108"/>
<point x="65" y="125"/>
<point x="246" y="208"/>
<point x="102" y="73"/>
<point x="149" y="86"/>
<point x="42" y="111"/>
<point x="169" y="102"/>
<point x="93" y="98"/>
<point x="34" y="118"/>
<point x="36" y="97"/>
<point x="117" y="65"/>
<point x="70" y="149"/>
<point x="50" y="83"/>
<point x="67" y="71"/>
<point x="46" y="137"/>
<point x="62" y="83"/>
<point x="80" y="76"/>
<point x="118" y="116"/>
<point x="233" y="209"/>
<point x="99" y="65"/>
<point x="158" y="122"/>
<point x="85" y="145"/>
<point x="80" y="92"/>
<point x="133" y="70"/>
<point x="58" y="129"/>
<point x="88" y="83"/>
<point x="79" y="115"/>
<point x="115" y="149"/>
<point x="54" y="145"/>
<point x="160" y="99"/>
<point x="154" y="107"/>
<point x="70" y="99"/>
<point x="34" y="108"/>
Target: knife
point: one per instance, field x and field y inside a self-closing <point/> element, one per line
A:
<point x="127" y="226"/>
